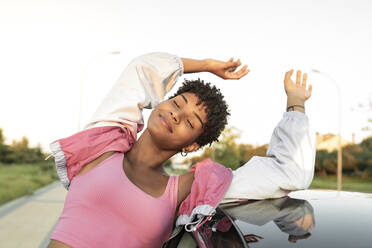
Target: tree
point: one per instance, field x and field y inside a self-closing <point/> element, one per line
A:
<point x="4" y="149"/>
<point x="19" y="151"/>
<point x="2" y="138"/>
<point x="365" y="157"/>
<point x="349" y="158"/>
<point x="226" y="155"/>
<point x="320" y="157"/>
<point x="247" y="151"/>
<point x="367" y="143"/>
<point x="228" y="152"/>
<point x="330" y="162"/>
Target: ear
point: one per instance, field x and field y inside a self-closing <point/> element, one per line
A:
<point x="190" y="148"/>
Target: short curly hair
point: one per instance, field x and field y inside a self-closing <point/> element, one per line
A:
<point x="216" y="108"/>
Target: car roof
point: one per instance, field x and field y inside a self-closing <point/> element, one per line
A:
<point x="311" y="218"/>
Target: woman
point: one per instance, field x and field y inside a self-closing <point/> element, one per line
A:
<point x="128" y="201"/>
<point x="174" y="125"/>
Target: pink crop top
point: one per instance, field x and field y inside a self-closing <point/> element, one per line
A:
<point x="103" y="208"/>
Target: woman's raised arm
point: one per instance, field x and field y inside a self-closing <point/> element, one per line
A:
<point x="114" y="126"/>
<point x="142" y="84"/>
<point x="290" y="160"/>
<point x="146" y="80"/>
<point x="225" y="70"/>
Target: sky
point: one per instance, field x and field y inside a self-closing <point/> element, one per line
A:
<point x="49" y="50"/>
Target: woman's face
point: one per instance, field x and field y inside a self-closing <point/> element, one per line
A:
<point x="177" y="122"/>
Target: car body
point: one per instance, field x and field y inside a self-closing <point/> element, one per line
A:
<point x="308" y="218"/>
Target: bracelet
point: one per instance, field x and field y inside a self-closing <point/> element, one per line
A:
<point x="295" y="106"/>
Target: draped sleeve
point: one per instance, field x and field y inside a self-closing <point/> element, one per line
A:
<point x="114" y="126"/>
<point x="288" y="165"/>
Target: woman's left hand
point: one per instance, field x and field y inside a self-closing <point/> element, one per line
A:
<point x="226" y="70"/>
<point x="298" y="89"/>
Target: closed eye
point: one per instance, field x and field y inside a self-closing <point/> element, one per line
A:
<point x="190" y="124"/>
<point x="178" y="106"/>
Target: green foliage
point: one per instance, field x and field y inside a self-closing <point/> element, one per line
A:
<point x="228" y="152"/>
<point x="28" y="172"/>
<point x="247" y="151"/>
<point x="330" y="162"/>
<point x="24" y="179"/>
<point x="356" y="158"/>
<point x="4" y="149"/>
<point x="367" y="143"/>
<point x="167" y="163"/>
<point x="365" y="157"/>
<point x="19" y="151"/>
<point x="227" y="156"/>
<point x="2" y="138"/>
<point x="350" y="154"/>
<point x="349" y="183"/>
<point x="320" y="157"/>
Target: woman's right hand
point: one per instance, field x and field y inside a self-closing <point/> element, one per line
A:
<point x="297" y="90"/>
<point x="227" y="70"/>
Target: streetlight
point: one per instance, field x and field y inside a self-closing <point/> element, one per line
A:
<point x="339" y="152"/>
<point x="82" y="79"/>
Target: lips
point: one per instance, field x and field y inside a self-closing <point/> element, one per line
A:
<point x="166" y="123"/>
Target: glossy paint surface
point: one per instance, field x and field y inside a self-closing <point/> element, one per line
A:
<point x="311" y="218"/>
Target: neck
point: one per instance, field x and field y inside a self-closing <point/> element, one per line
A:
<point x="146" y="155"/>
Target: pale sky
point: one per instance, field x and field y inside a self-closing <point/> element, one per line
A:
<point x="49" y="47"/>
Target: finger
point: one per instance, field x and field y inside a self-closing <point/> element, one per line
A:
<point x="242" y="69"/>
<point x="288" y="75"/>
<point x="243" y="74"/>
<point x="310" y="89"/>
<point x="298" y="77"/>
<point x="229" y="63"/>
<point x="239" y="74"/>
<point x="304" y="79"/>
<point x="238" y="63"/>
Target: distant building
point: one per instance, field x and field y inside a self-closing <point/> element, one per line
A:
<point x="329" y="142"/>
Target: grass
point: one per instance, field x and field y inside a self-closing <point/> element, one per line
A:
<point x="20" y="180"/>
<point x="349" y="183"/>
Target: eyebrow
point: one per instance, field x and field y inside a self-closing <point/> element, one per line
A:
<point x="197" y="116"/>
<point x="184" y="98"/>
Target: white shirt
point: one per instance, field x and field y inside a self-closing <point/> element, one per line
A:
<point x="290" y="160"/>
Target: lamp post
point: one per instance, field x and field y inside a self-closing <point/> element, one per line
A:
<point x="83" y="70"/>
<point x="339" y="152"/>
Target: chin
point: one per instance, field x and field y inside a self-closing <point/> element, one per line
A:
<point x="163" y="140"/>
<point x="162" y="137"/>
<point x="159" y="137"/>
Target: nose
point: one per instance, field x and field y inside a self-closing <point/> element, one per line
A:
<point x="175" y="116"/>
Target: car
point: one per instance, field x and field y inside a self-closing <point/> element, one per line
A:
<point x="307" y="218"/>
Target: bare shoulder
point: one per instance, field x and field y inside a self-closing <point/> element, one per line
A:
<point x="184" y="186"/>
<point x="57" y="244"/>
<point x="94" y="163"/>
